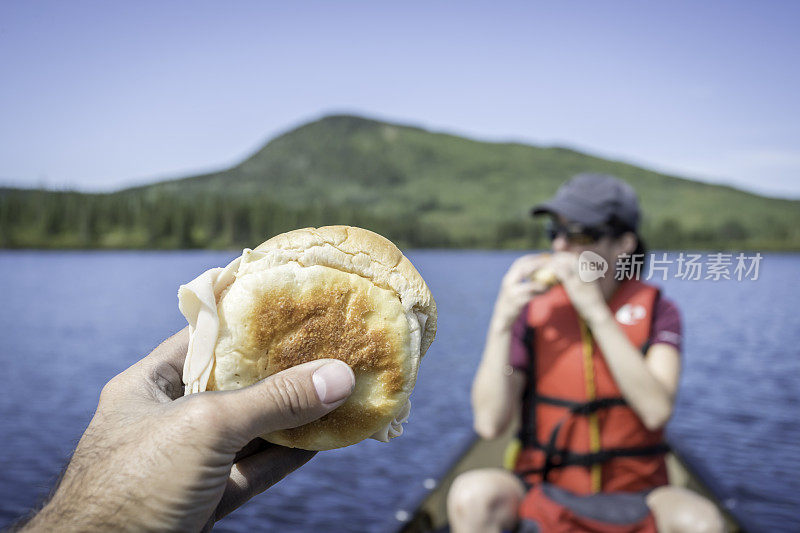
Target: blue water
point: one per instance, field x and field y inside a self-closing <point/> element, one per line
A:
<point x="69" y="321"/>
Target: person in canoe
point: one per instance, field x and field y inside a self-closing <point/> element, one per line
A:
<point x="589" y="359"/>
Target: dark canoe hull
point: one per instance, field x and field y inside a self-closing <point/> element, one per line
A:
<point x="428" y="512"/>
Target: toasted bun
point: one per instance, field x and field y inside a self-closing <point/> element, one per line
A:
<point x="545" y="275"/>
<point x="332" y="292"/>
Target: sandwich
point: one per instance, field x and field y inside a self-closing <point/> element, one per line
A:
<point x="545" y="275"/>
<point x="331" y="292"/>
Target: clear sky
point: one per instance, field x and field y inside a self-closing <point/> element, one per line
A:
<point x="99" y="95"/>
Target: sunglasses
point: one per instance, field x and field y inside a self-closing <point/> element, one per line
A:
<point x="576" y="233"/>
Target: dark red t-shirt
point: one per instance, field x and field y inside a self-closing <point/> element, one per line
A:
<point x="666" y="330"/>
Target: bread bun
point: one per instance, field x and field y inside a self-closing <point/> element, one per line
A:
<point x="545" y="275"/>
<point x="332" y="292"/>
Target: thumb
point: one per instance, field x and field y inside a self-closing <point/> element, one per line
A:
<point x="287" y="399"/>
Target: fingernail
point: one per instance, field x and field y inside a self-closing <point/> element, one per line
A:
<point x="333" y="381"/>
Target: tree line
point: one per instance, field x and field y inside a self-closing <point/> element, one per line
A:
<point x="49" y="219"/>
<point x="162" y="220"/>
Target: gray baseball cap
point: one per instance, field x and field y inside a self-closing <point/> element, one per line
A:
<point x="592" y="200"/>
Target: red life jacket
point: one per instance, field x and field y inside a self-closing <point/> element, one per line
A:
<point x="548" y="509"/>
<point x="578" y="432"/>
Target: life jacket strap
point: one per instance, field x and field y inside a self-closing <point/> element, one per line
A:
<point x="581" y="408"/>
<point x="560" y="458"/>
<point x="528" y="434"/>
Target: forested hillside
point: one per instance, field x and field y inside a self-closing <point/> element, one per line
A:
<point x="421" y="189"/>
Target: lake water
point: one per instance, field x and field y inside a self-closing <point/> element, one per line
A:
<point x="69" y="321"/>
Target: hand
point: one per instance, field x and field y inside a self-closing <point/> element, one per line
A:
<point x="153" y="459"/>
<point x="586" y="296"/>
<point x="517" y="289"/>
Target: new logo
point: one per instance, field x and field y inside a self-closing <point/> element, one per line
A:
<point x="591" y="266"/>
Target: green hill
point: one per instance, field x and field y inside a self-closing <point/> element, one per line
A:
<point x="417" y="187"/>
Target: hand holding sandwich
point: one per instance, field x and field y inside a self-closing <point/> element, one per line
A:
<point x="586" y="296"/>
<point x="528" y="276"/>
<point x="153" y="459"/>
<point x="496" y="388"/>
<point x="312" y="321"/>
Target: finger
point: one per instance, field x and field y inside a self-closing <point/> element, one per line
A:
<point x="253" y="447"/>
<point x="564" y="264"/>
<point x="156" y="376"/>
<point x="526" y="262"/>
<point x="159" y="375"/>
<point x="172" y="351"/>
<point x="529" y="287"/>
<point x="285" y="400"/>
<point x="524" y="259"/>
<point x="526" y="265"/>
<point x="565" y="258"/>
<point x="517" y="297"/>
<point x="255" y="474"/>
<point x="526" y="290"/>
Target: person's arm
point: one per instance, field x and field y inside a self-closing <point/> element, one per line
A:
<point x="155" y="460"/>
<point x="497" y="389"/>
<point x="647" y="383"/>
